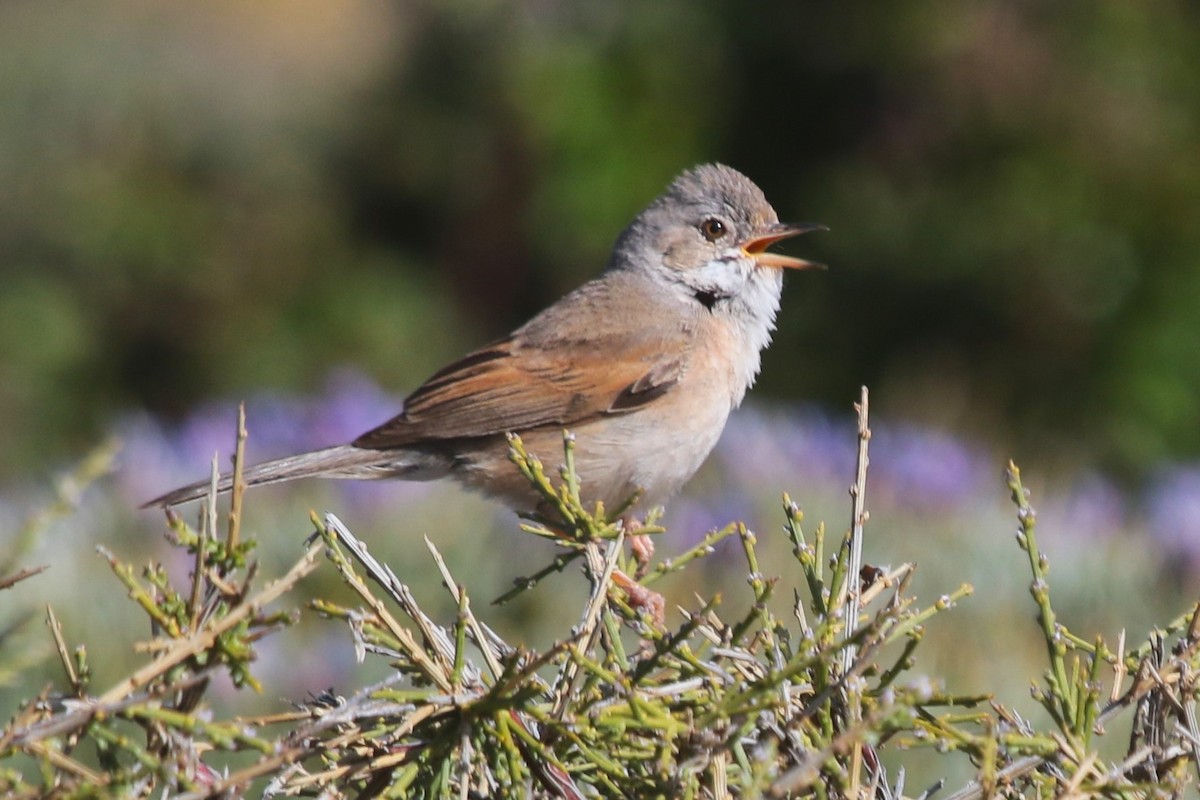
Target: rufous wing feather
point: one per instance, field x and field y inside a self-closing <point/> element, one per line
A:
<point x="509" y="387"/>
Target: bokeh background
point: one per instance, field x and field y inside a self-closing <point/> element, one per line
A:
<point x="312" y="205"/>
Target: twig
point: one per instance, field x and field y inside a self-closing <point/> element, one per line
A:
<point x="858" y="494"/>
<point x="65" y="762"/>
<point x="204" y="638"/>
<point x="64" y="655"/>
<point x="1060" y="701"/>
<point x="208" y="523"/>
<point x="484" y="636"/>
<point x="28" y="572"/>
<point x="238" y="482"/>
<point x="853" y="584"/>
<point x="436" y="667"/>
<point x="973" y="791"/>
<point x="585" y="635"/>
<point x="79" y="713"/>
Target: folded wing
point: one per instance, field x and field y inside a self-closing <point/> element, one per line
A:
<point x="512" y="386"/>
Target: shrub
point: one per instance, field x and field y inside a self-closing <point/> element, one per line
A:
<point x="744" y="705"/>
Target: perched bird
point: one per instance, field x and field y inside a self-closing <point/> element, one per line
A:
<point x="643" y="364"/>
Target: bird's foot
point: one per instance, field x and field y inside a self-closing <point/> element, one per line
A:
<point x="641" y="545"/>
<point x="641" y="599"/>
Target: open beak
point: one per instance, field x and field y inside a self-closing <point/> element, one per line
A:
<point x="756" y="246"/>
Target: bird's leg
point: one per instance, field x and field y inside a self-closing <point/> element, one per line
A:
<point x="641" y="598"/>
<point x="640" y="544"/>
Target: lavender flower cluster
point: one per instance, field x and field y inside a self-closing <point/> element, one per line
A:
<point x="913" y="467"/>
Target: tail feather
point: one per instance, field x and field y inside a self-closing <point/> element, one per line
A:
<point x="343" y="461"/>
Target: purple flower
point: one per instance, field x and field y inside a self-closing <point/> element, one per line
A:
<point x="771" y="446"/>
<point x="1091" y="507"/>
<point x="919" y="467"/>
<point x="157" y="457"/>
<point x="350" y="405"/>
<point x="1173" y="506"/>
<point x="688" y="518"/>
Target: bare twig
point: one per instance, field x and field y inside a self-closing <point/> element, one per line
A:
<point x="238" y="485"/>
<point x="437" y="666"/>
<point x="858" y="518"/>
<point x="600" y="573"/>
<point x="487" y="640"/>
<point x="28" y="572"/>
<point x="64" y="655"/>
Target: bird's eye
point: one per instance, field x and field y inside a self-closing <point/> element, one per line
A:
<point x="713" y="229"/>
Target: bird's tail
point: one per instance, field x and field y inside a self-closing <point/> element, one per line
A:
<point x="343" y="461"/>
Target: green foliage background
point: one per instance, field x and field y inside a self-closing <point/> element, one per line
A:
<point x="200" y="200"/>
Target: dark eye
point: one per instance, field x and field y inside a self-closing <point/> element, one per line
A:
<point x="713" y="229"/>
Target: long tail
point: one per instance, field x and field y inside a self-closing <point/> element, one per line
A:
<point x="343" y="461"/>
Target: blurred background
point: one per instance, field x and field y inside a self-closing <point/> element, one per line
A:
<point x="311" y="206"/>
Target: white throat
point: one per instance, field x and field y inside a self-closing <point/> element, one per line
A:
<point x="752" y="313"/>
<point x="746" y="298"/>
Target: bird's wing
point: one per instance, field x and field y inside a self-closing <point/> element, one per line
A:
<point x="524" y="382"/>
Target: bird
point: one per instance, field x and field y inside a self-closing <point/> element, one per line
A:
<point x="643" y="365"/>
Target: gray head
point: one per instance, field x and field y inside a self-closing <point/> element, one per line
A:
<point x="707" y="236"/>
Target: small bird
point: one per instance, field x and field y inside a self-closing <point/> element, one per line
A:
<point x="643" y="364"/>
